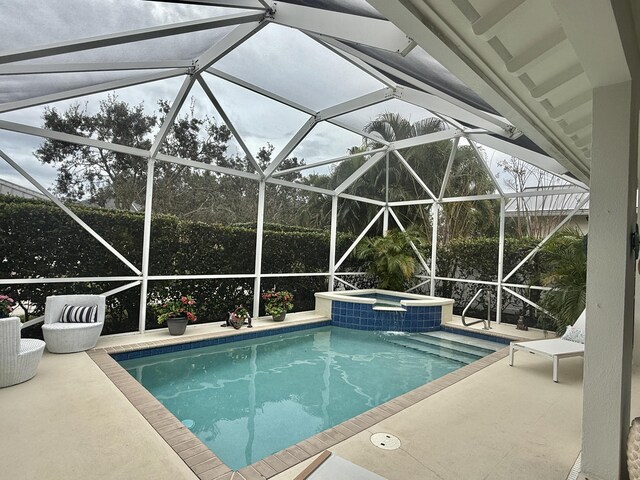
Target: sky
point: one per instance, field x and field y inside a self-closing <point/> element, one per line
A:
<point x="277" y="58"/>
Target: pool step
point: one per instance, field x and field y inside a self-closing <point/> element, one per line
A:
<point x="465" y="340"/>
<point x="455" y="346"/>
<point x="460" y="357"/>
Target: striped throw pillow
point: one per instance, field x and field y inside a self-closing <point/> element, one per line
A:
<point x="76" y="314"/>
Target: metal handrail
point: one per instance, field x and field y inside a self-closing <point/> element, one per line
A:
<point x="486" y="323"/>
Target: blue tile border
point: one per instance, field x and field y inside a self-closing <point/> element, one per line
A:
<point x="362" y="316"/>
<point x="147" y="352"/>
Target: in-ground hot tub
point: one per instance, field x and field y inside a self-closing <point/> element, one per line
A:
<point x="385" y="310"/>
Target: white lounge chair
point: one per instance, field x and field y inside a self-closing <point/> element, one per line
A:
<point x="571" y="344"/>
<point x="71" y="337"/>
<point x="328" y="466"/>
<point x="19" y="357"/>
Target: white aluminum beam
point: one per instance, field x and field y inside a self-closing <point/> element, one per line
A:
<point x="200" y="277"/>
<point x="290" y="146"/>
<point x="294" y="275"/>
<point x="185" y="88"/>
<point x="353" y="287"/>
<point x="229" y="124"/>
<point x="547" y="238"/>
<point x="371" y="136"/>
<point x="91" y="89"/>
<point x="290" y="103"/>
<point x="434" y="137"/>
<point x="362" y="65"/>
<point x="47" y="68"/>
<point x="406" y="203"/>
<point x="416" y="83"/>
<point x="481" y="159"/>
<point x="356" y="198"/>
<point x="385" y="221"/>
<point x="539" y="160"/>
<point x="447" y="172"/>
<point x="281" y="173"/>
<point x="122" y="288"/>
<point x="39" y="280"/>
<point x="472" y="198"/>
<point x="235" y="37"/>
<point x="503" y="204"/>
<point x="249" y="4"/>
<point x="415" y="175"/>
<point x="333" y="241"/>
<point x="544" y="193"/>
<point x="207" y="166"/>
<point x="114" y="147"/>
<point x="66" y="209"/>
<point x="129" y="36"/>
<point x="300" y="186"/>
<point x="438" y="105"/>
<point x="415" y="287"/>
<point x="357" y="103"/>
<point x="421" y="259"/>
<point x="360" y="237"/>
<point x="255" y="88"/>
<point x="435" y="209"/>
<point x="146" y="245"/>
<point x="359" y="172"/>
<point x="353" y="28"/>
<point x="69" y="138"/>
<point x="526" y="300"/>
<point x="258" y="252"/>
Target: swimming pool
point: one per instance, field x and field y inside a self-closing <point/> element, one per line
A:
<point x="252" y="398"/>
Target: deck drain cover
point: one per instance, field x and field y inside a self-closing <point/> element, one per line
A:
<point x="385" y="441"/>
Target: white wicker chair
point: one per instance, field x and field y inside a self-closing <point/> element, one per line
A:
<point x="71" y="337"/>
<point x="19" y="358"/>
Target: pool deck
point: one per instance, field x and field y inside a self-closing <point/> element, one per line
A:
<point x="72" y="422"/>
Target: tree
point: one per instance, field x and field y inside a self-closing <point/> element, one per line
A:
<point x="99" y="174"/>
<point x="110" y="178"/>
<point x="429" y="161"/>
<point x="535" y="216"/>
<point x="567" y="277"/>
<point x="390" y="258"/>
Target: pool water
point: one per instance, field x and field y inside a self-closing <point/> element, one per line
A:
<point x="253" y="398"/>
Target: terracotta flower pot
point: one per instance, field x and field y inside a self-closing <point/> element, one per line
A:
<point x="177" y="326"/>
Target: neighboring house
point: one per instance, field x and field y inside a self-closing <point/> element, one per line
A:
<point x="540" y="214"/>
<point x="10" y="188"/>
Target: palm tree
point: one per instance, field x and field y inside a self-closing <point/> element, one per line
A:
<point x="429" y="161"/>
<point x="390" y="259"/>
<point x="567" y="277"/>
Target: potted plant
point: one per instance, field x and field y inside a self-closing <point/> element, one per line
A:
<point x="238" y="317"/>
<point x="277" y="304"/>
<point x="6" y="306"/>
<point x="177" y="313"/>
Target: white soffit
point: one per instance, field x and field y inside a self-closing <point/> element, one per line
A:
<point x="518" y="57"/>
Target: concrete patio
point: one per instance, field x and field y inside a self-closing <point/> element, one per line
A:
<point x="72" y="422"/>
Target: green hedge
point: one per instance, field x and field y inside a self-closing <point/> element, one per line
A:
<point x="37" y="239"/>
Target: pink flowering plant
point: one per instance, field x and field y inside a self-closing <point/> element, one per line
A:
<point x="7" y="304"/>
<point x="277" y="303"/>
<point x="177" y="308"/>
